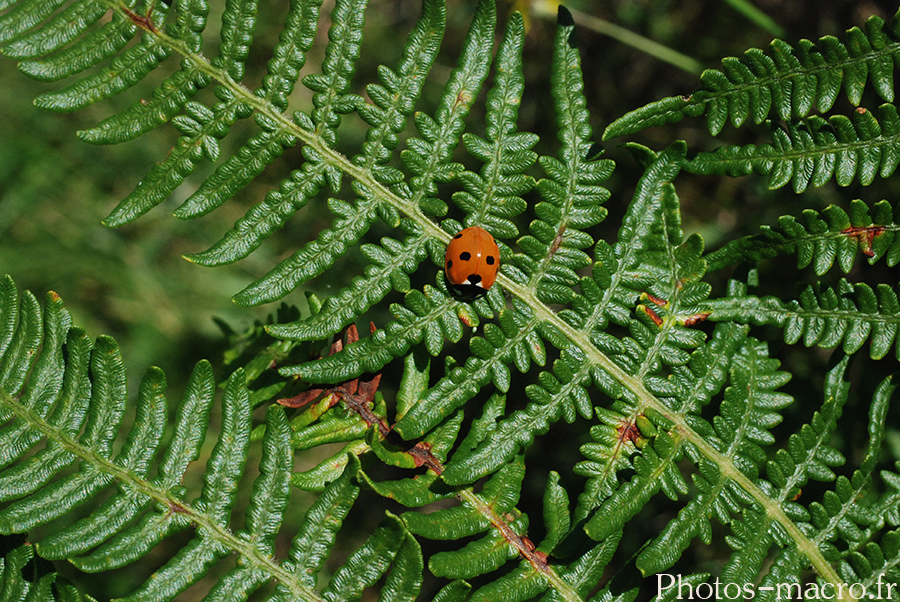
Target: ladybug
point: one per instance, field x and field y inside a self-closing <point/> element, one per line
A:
<point x="472" y="261"/>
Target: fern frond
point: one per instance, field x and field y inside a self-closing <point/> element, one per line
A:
<point x="499" y="496"/>
<point x="654" y="468"/>
<point x="420" y="490"/>
<point x="572" y="193"/>
<point x="202" y="128"/>
<point x="784" y="573"/>
<point x="448" y="325"/>
<point x="491" y="355"/>
<point x="238" y="24"/>
<point x="847" y="315"/>
<point x="182" y="448"/>
<point x="64" y="401"/>
<point x="785" y="82"/>
<point x="393" y="102"/>
<point x="749" y="410"/>
<point x="524" y="582"/>
<point x="370" y="561"/>
<point x="490" y="512"/>
<point x="429" y="316"/>
<point x="56" y="33"/>
<point x="218" y="496"/>
<point x="607" y="340"/>
<point x="856" y="516"/>
<point x="85" y="52"/>
<point x="608" y="453"/>
<point x="23" y="17"/>
<point x="841" y="512"/>
<point x="821" y="238"/>
<point x="493" y="198"/>
<point x="353" y="220"/>
<point x="392" y="262"/>
<point x="871" y="564"/>
<point x="125" y="71"/>
<point x="330" y="97"/>
<point x="812" y="151"/>
<point x="170" y="96"/>
<point x="427" y="159"/>
<point x="168" y="100"/>
<point x="639" y="262"/>
<point x="320" y="525"/>
<point x="809" y="454"/>
<point x="614" y="438"/>
<point x="268" y="501"/>
<point x="448" y="395"/>
<point x="558" y="394"/>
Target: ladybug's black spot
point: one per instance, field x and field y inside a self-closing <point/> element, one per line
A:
<point x="465" y="256"/>
<point x="474" y="279"/>
<point x="490" y="260"/>
<point x="457" y="236"/>
<point x="449" y="263"/>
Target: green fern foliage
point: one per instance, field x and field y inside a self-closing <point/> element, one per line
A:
<point x="64" y="401"/>
<point x="783" y="87"/>
<point x="749" y="409"/>
<point x="511" y="445"/>
<point x="785" y="82"/>
<point x="813" y="151"/>
<point x="848" y="315"/>
<point x="819" y="239"/>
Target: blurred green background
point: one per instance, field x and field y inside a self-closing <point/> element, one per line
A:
<point x="133" y="284"/>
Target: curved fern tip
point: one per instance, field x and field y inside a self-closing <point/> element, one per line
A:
<point x="120" y="216"/>
<point x="564" y="17"/>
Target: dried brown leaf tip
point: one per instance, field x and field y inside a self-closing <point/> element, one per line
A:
<point x="526" y="547"/>
<point x="651" y="314"/>
<point x="314" y="393"/>
<point x="864" y="237"/>
<point x="629" y="433"/>
<point x="358" y="394"/>
<point x="649" y="311"/>
<point x="421" y="453"/>
<point x="655" y="300"/>
<point x="663" y="304"/>
<point x="557" y="241"/>
<point x="694" y="319"/>
<point x="637" y="432"/>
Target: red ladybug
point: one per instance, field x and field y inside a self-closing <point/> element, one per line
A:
<point x="472" y="260"/>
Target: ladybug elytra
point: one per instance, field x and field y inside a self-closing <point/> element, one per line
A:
<point x="472" y="260"/>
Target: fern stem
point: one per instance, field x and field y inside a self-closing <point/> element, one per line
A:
<point x="129" y="480"/>
<point x="645" y="399"/>
<point x="541" y="567"/>
<point x="773" y="510"/>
